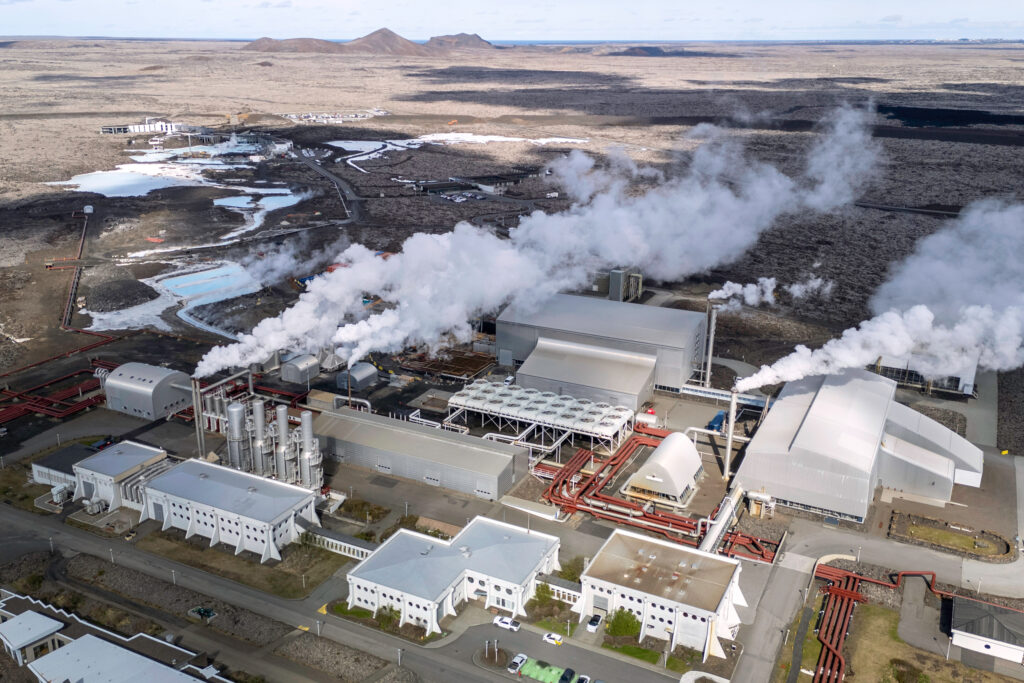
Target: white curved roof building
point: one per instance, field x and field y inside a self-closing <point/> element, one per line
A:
<point x="147" y="391"/>
<point x="669" y="477"/>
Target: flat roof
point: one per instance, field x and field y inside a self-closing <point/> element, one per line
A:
<point x="988" y="621"/>
<point x="591" y="366"/>
<point x="663" y="569"/>
<point x="94" y="660"/>
<point x="65" y="459"/>
<point x="424" y="566"/>
<point x="618" y="320"/>
<point x="27" y="628"/>
<point x="231" y="490"/>
<point x="119" y="458"/>
<point x="420" y="441"/>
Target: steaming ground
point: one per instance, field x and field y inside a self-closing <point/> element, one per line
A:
<point x="710" y="214"/>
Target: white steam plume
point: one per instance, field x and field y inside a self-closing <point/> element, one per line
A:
<point x="686" y="225"/>
<point x="753" y="294"/>
<point x="812" y="286"/>
<point x="292" y="258"/>
<point x="957" y="300"/>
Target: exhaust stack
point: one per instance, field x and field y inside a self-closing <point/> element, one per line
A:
<point x="729" y="434"/>
<point x="306" y="458"/>
<point x="259" y="422"/>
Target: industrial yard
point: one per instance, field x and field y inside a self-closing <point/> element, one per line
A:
<point x="391" y="348"/>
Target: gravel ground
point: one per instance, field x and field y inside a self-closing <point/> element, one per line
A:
<point x="1010" y="433"/>
<point x="114" y="295"/>
<point x="333" y="658"/>
<point x="878" y="595"/>
<point x="397" y="675"/>
<point x="234" y="621"/>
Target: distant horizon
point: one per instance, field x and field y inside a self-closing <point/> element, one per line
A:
<point x="542" y="41"/>
<point x="526" y="21"/>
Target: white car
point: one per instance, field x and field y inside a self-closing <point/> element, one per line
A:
<point x="594" y="623"/>
<point x="583" y="679"/>
<point x="517" y="663"/>
<point x="552" y="639"/>
<point x="507" y="623"/>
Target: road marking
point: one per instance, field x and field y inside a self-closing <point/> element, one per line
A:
<point x="323" y="610"/>
<point x="800" y="563"/>
<point x="303" y="628"/>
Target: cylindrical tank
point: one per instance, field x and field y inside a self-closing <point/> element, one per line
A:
<point x="259" y="428"/>
<point x="305" y="475"/>
<point x="282" y="443"/>
<point x="236" y="434"/>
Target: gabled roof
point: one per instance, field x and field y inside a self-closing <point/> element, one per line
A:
<point x="988" y="621"/>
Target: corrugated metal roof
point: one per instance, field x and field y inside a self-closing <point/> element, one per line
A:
<point x="819" y="442"/>
<point x="231" y="490"/>
<point x="671" y="467"/>
<point x="397" y="436"/>
<point x="590" y="366"/>
<point x="119" y="458"/>
<point x="988" y="621"/>
<point x="668" y="327"/>
<point x="663" y="569"/>
<point x="142" y="373"/>
<point x="910" y="425"/>
<point x="425" y="566"/>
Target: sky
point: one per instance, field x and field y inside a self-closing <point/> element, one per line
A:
<point x="640" y="20"/>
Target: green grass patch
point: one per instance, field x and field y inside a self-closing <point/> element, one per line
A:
<point x="680" y="666"/>
<point x="636" y="651"/>
<point x="955" y="540"/>
<point x="557" y="626"/>
<point x="358" y="612"/>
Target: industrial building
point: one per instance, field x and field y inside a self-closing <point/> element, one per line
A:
<point x="421" y="452"/>
<point x="147" y="391"/>
<point x="57" y="471"/>
<point x="669" y="476"/>
<point x="673" y="339"/>
<point x="357" y="378"/>
<point x="602" y="375"/>
<point x="300" y="369"/>
<point x="426" y="579"/>
<point x="685" y="596"/>
<point x="988" y="629"/>
<point x="905" y="371"/>
<point x="56" y="645"/>
<point x="227" y="506"/>
<point x="150" y="125"/>
<point x="829" y="441"/>
<point x="115" y="476"/>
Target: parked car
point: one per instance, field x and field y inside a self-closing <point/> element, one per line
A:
<point x="509" y="380"/>
<point x="517" y="663"/>
<point x="583" y="679"/>
<point x="552" y="639"/>
<point x="594" y="623"/>
<point x="568" y="676"/>
<point x="507" y="623"/>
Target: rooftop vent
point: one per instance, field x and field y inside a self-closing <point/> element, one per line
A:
<point x="251" y="489"/>
<point x="203" y="475"/>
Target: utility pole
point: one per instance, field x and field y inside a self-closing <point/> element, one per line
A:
<point x="174" y="578"/>
<point x="399" y="656"/>
<point x="111" y="556"/>
<point x="51" y="545"/>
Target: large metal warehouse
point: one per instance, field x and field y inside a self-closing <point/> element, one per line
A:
<point x="148" y="391"/>
<point x="450" y="460"/>
<point x="829" y="441"/>
<point x="673" y="338"/>
<point x="619" y="378"/>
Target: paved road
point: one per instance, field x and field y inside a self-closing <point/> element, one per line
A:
<point x="23" y="532"/>
<point x="351" y="200"/>
<point x="807" y="541"/>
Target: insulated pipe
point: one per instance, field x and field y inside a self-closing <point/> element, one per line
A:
<point x="711" y="344"/>
<point x="236" y="433"/>
<point x="282" y="443"/>
<point x="259" y="421"/>
<point x="729" y="435"/>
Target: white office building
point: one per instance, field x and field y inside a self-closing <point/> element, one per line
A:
<point x="685" y="596"/>
<point x="426" y="579"/>
<point x="110" y="479"/>
<point x="229" y="506"/>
